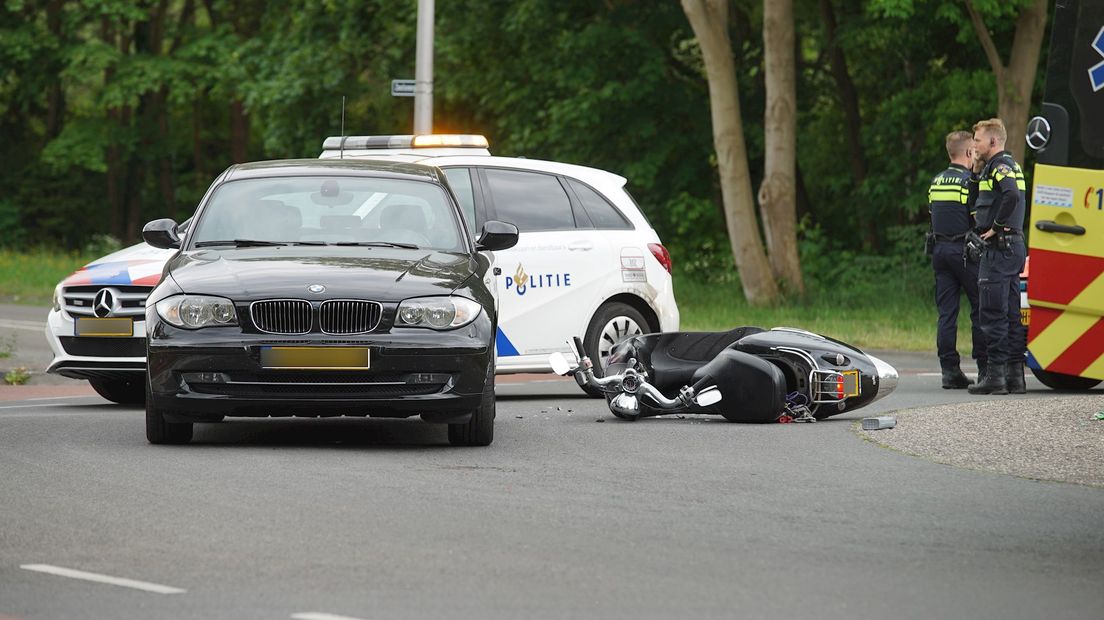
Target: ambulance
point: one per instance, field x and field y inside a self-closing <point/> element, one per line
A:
<point x="1065" y="294"/>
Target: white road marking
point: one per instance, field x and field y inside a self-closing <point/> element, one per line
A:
<point x="318" y="615"/>
<point x="98" y="578"/>
<point x="33" y="326"/>
<point x="59" y="397"/>
<point x="25" y="406"/>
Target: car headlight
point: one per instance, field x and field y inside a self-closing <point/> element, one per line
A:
<point x="195" y="311"/>
<point x="57" y="297"/>
<point x="437" y="312"/>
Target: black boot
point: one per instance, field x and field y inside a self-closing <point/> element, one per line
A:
<point x="992" y="383"/>
<point x="983" y="366"/>
<point x="955" y="379"/>
<point x="1014" y="378"/>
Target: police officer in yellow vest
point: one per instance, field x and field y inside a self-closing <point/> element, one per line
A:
<point x="951" y="200"/>
<point x="1001" y="206"/>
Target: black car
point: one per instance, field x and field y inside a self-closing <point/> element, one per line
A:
<point x="324" y="288"/>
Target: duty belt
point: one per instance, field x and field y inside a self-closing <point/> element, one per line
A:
<point x="942" y="237"/>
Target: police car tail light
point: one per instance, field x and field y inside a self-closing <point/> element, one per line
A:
<point x="437" y="312"/>
<point x="661" y="254"/>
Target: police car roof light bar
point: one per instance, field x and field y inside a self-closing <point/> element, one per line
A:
<point x="405" y="141"/>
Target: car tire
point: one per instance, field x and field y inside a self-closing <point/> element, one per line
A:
<point x="612" y="323"/>
<point x="1056" y="381"/>
<point x="121" y="391"/>
<point x="479" y="430"/>
<point x="161" y="431"/>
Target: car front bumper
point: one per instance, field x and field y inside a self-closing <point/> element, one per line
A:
<point x="82" y="357"/>
<point x="212" y="372"/>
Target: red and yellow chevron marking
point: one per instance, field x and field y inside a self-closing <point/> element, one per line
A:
<point x="1066" y="290"/>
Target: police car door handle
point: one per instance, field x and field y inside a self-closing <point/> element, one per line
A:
<point x="580" y="245"/>
<point x="1049" y="226"/>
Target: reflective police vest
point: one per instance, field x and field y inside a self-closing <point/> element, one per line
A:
<point x="1000" y="167"/>
<point x="949" y="202"/>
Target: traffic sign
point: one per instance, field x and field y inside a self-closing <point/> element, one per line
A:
<point x="402" y="88"/>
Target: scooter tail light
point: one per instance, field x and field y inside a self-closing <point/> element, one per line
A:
<point x="661" y="254"/>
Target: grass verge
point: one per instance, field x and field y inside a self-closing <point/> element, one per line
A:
<point x="29" y="276"/>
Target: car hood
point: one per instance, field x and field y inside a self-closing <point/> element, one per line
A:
<point x="138" y="265"/>
<point x="381" y="274"/>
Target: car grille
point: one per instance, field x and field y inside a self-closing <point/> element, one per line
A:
<point x="338" y="317"/>
<point x="104" y="347"/>
<point x="349" y="316"/>
<point x="321" y="386"/>
<point x="131" y="300"/>
<point x="282" y="316"/>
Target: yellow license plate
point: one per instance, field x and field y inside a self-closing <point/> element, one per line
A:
<point x="850" y="383"/>
<point x="315" y="358"/>
<point x="1025" y="316"/>
<point x="110" y="327"/>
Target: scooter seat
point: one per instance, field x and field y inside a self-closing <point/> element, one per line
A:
<point x="674" y="357"/>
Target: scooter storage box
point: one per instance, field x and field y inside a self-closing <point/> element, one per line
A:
<point x="752" y="389"/>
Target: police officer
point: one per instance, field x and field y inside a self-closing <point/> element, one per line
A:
<point x="1000" y="218"/>
<point x="950" y="200"/>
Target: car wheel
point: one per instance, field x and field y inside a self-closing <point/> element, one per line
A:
<point x="161" y="431"/>
<point x="479" y="430"/>
<point x="121" y="391"/>
<point x="612" y="323"/>
<point x="1056" y="381"/>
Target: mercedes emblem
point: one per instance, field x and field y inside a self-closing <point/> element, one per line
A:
<point x="105" y="302"/>
<point x="316" y="288"/>
<point x="1038" y="133"/>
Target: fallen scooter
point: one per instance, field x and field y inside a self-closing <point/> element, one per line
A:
<point x="747" y="374"/>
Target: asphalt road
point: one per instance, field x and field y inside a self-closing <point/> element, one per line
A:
<point x="562" y="516"/>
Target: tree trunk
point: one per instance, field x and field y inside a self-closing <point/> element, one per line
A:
<point x="777" y="194"/>
<point x="113" y="156"/>
<point x="55" y="96"/>
<point x="1015" y="80"/>
<point x="848" y="94"/>
<point x="709" y="21"/>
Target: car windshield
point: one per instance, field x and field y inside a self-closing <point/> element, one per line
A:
<point x="367" y="211"/>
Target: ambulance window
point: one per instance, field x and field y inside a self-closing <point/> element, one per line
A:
<point x="460" y="181"/>
<point x="601" y="212"/>
<point x="529" y="200"/>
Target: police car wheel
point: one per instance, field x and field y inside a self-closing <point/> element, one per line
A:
<point x="1057" y="381"/>
<point x="612" y="323"/>
<point x="121" y="391"/>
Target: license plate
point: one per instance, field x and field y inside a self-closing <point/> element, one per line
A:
<point x="110" y="327"/>
<point x="850" y="383"/>
<point x="1025" y="316"/>
<point x="315" y="358"/>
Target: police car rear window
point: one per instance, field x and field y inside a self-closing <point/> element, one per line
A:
<point x="602" y="213"/>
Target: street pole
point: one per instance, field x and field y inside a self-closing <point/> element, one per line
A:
<point x="423" y="70"/>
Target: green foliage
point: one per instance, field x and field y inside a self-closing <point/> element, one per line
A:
<point x="103" y="126"/>
<point x="17" y="376"/>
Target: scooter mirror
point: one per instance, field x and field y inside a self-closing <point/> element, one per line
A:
<point x="559" y="363"/>
<point x="708" y="396"/>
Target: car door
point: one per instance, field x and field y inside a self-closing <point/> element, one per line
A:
<point x="556" y="273"/>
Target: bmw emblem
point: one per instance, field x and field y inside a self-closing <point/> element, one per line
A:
<point x="316" y="288"/>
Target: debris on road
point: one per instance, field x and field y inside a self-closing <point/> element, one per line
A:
<point x="879" y="423"/>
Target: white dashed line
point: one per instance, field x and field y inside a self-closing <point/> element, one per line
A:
<point x="31" y="326"/>
<point x="318" y="615"/>
<point x="25" y="406"/>
<point x="98" y="578"/>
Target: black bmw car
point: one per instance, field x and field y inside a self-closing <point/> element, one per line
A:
<point x="324" y="288"/>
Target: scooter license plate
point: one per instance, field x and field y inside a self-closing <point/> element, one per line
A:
<point x="850" y="383"/>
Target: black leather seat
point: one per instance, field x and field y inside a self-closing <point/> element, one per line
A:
<point x="674" y="357"/>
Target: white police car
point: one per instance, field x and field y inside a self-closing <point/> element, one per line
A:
<point x="587" y="262"/>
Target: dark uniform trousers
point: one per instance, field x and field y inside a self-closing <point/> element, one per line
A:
<point x="953" y="276"/>
<point x="999" y="289"/>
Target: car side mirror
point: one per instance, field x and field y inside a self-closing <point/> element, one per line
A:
<point x="161" y="234"/>
<point x="497" y="235"/>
